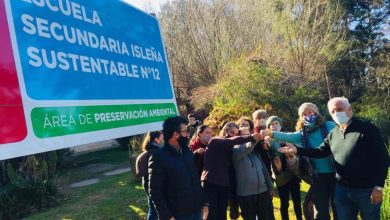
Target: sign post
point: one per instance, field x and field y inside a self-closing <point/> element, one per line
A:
<point x="76" y="72"/>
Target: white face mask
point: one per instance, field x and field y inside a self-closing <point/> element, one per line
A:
<point x="275" y="127"/>
<point x="262" y="122"/>
<point x="207" y="138"/>
<point x="291" y="161"/>
<point x="340" y="118"/>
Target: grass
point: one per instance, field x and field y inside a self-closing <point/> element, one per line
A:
<point x="116" y="197"/>
<point x="276" y="202"/>
<point x="121" y="196"/>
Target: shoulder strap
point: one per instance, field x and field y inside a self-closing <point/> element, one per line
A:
<point x="324" y="131"/>
<point x="305" y="137"/>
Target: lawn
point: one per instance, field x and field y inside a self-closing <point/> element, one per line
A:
<point x="117" y="197"/>
<point x="74" y="169"/>
<point x="121" y="196"/>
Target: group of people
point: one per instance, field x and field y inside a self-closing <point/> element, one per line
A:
<point x="190" y="175"/>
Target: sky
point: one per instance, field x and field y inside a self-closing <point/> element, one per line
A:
<point x="149" y="6"/>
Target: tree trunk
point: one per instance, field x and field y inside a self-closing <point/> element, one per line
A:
<point x="327" y="83"/>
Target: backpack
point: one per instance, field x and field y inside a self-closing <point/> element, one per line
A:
<point x="141" y="164"/>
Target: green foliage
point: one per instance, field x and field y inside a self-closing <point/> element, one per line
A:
<point x="250" y="86"/>
<point x="32" y="186"/>
<point x="30" y="183"/>
<point x="375" y="109"/>
<point x="385" y="209"/>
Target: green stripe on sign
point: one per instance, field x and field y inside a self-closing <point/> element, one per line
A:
<point x="66" y="120"/>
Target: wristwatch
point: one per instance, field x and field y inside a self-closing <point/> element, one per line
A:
<point x="378" y="188"/>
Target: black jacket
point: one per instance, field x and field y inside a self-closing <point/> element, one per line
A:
<point x="151" y="149"/>
<point x="174" y="183"/>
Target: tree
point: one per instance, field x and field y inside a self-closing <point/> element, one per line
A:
<point x="201" y="36"/>
<point x="309" y="38"/>
<point x="363" y="67"/>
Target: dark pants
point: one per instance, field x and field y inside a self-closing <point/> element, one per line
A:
<point x="259" y="206"/>
<point x="351" y="201"/>
<point x="233" y="201"/>
<point x="218" y="200"/>
<point x="234" y="207"/>
<point x="293" y="187"/>
<point x="195" y="216"/>
<point x="323" y="189"/>
<point x="152" y="213"/>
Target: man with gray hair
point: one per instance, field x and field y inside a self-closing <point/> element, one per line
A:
<point x="361" y="160"/>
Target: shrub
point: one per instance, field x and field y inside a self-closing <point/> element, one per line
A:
<point x="250" y="86"/>
<point x="29" y="184"/>
<point x="385" y="209"/>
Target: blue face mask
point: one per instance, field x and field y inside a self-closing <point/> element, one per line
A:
<point x="309" y="120"/>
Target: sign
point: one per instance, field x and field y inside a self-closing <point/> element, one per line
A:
<point x="76" y="72"/>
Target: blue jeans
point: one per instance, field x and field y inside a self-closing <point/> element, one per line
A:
<point x="152" y="213"/>
<point x="195" y="216"/>
<point x="350" y="201"/>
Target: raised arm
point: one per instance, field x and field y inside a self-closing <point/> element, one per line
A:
<point x="240" y="151"/>
<point x="323" y="151"/>
<point x="290" y="137"/>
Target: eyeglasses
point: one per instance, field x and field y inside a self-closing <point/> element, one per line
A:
<point x="183" y="131"/>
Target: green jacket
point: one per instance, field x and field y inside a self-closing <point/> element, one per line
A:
<point x="283" y="177"/>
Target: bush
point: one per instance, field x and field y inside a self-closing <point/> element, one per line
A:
<point x="29" y="183"/>
<point x="248" y="86"/>
<point x="385" y="209"/>
<point x="375" y="113"/>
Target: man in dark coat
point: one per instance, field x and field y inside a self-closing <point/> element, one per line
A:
<point x="173" y="178"/>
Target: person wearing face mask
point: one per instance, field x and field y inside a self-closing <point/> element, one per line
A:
<point x="198" y="145"/>
<point x="217" y="165"/>
<point x="152" y="142"/>
<point x="361" y="158"/>
<point x="311" y="131"/>
<point x="260" y="117"/>
<point x="174" y="183"/>
<point x="287" y="183"/>
<point x="254" y="185"/>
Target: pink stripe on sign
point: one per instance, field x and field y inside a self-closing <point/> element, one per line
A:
<point x="12" y="121"/>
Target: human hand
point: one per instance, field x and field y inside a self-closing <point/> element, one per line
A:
<point x="278" y="164"/>
<point x="266" y="132"/>
<point x="257" y="136"/>
<point x="205" y="212"/>
<point x="200" y="150"/>
<point x="288" y="149"/>
<point x="267" y="138"/>
<point x="266" y="146"/>
<point x="376" y="196"/>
